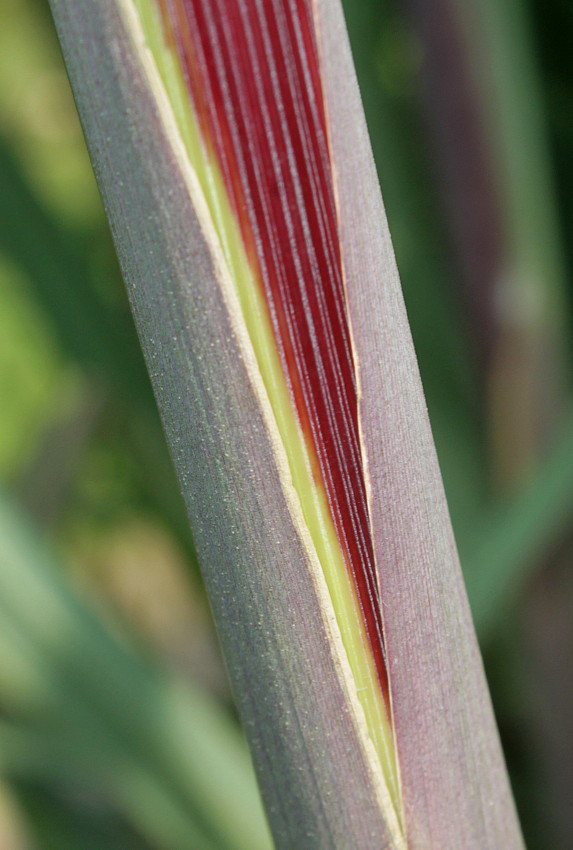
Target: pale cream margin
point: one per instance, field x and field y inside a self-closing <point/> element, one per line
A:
<point x="322" y="40"/>
<point x="135" y="33"/>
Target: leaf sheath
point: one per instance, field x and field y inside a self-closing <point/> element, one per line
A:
<point x="317" y="768"/>
<point x="269" y="602"/>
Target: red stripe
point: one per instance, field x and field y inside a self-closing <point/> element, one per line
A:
<point x="252" y="70"/>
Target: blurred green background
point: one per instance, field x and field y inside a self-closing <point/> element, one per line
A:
<point x="117" y="728"/>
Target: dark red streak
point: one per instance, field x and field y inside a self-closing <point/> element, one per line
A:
<point x="253" y="73"/>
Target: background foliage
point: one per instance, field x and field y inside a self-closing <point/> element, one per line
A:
<point x="116" y="725"/>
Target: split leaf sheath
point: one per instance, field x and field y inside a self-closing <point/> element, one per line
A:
<point x="256" y="135"/>
<point x="230" y="146"/>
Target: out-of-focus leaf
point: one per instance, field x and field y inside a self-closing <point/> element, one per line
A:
<point x="517" y="535"/>
<point x="531" y="370"/>
<point x="56" y="264"/>
<point x="500" y="34"/>
<point x="101" y="340"/>
<point x="87" y="712"/>
<point x="72" y="822"/>
<point x="30" y="370"/>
